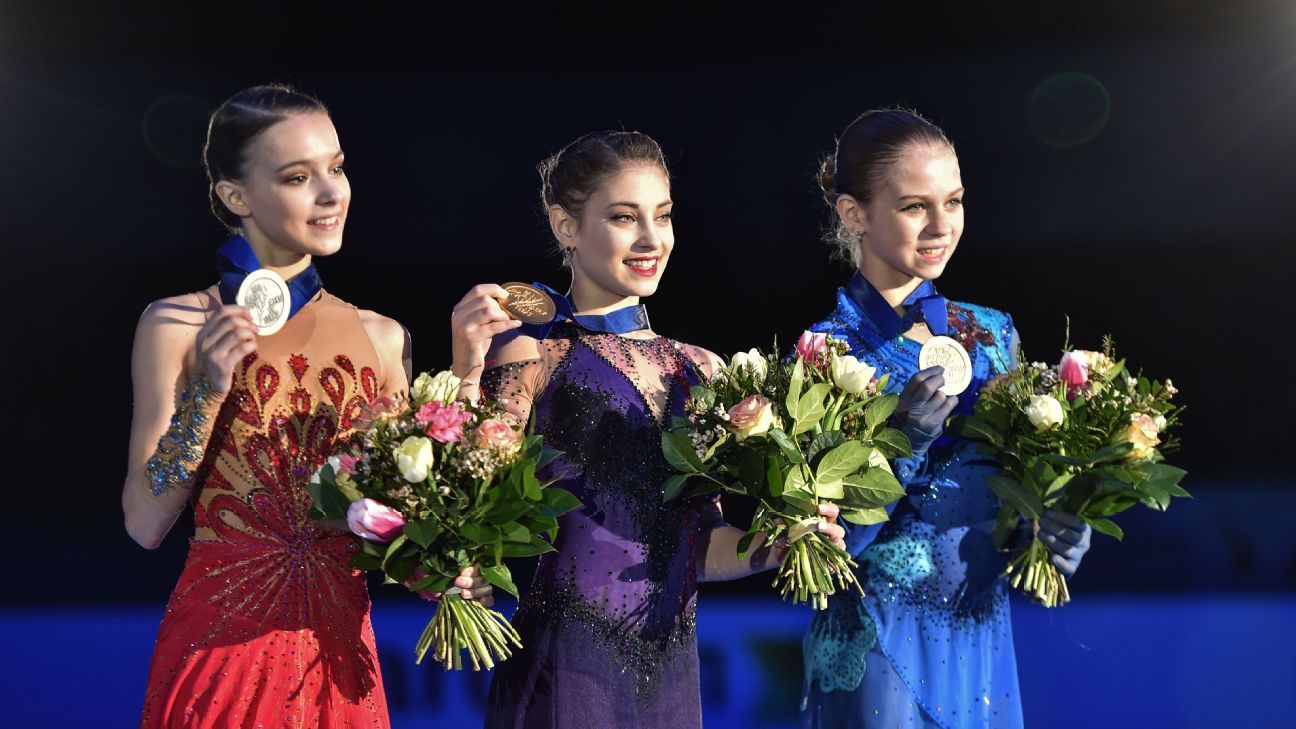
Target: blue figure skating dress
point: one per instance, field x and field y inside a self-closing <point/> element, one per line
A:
<point x="930" y="644"/>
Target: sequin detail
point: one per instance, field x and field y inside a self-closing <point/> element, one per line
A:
<point x="180" y="449"/>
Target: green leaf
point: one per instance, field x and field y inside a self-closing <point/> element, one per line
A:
<point x="810" y="409"/>
<point x="822" y="443"/>
<point x="478" y="533"/>
<point x="393" y="548"/>
<point x="501" y="577"/>
<point x="875" y="487"/>
<point x="330" y="502"/>
<point x="679" y="452"/>
<point x="801" y="501"/>
<point x="773" y="477"/>
<point x="704" y="396"/>
<point x="1106" y="526"/>
<point x="557" y="502"/>
<point x="975" y="428"/>
<point x="422" y="533"/>
<point x="547" y="456"/>
<point x="1113" y="452"/>
<point x="744" y="542"/>
<point x="785" y="444"/>
<point x="506" y="511"/>
<point x="515" y="532"/>
<point x="831" y="490"/>
<point x="842" y="461"/>
<point x="795" y="383"/>
<point x="1005" y="525"/>
<point x="1025" y="501"/>
<point x="530" y="549"/>
<point x="893" y="443"/>
<point x="674" y="485"/>
<point x="880" y="409"/>
<point x="751" y="469"/>
<point x="864" y="517"/>
<point x="797" y="480"/>
<point x="1055" y="487"/>
<point x="365" y="562"/>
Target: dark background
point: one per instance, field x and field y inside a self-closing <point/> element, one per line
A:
<point x="1131" y="167"/>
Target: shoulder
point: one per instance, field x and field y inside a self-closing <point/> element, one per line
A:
<point x="997" y="322"/>
<point x="512" y="346"/>
<point x="176" y="318"/>
<point x="709" y="362"/>
<point x="389" y="336"/>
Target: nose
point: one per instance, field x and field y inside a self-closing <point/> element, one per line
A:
<point x="649" y="237"/>
<point x="939" y="224"/>
<point x="329" y="192"/>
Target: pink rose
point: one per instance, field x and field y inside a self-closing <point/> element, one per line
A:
<point x="813" y="348"/>
<point x="347" y="463"/>
<point x="1074" y="371"/>
<point x="443" y="422"/>
<point x="374" y="521"/>
<point x="496" y="434"/>
<point x="754" y="415"/>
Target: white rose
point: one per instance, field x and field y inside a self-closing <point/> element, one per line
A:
<point x="1044" y="412"/>
<point x="414" y="458"/>
<point x="754" y="361"/>
<point x="1160" y="423"/>
<point x="851" y="375"/>
<point x="442" y="387"/>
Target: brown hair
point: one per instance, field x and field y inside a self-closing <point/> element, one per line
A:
<point x="236" y="124"/>
<point x="866" y="151"/>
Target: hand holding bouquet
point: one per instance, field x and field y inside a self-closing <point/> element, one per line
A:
<point x="432" y="486"/>
<point x="793" y="434"/>
<point x="1083" y="437"/>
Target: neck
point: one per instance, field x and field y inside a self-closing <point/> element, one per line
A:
<point x="894" y="285"/>
<point x="285" y="263"/>
<point x="588" y="298"/>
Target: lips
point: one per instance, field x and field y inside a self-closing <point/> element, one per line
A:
<point x="645" y="267"/>
<point x="329" y="222"/>
<point x="933" y="255"/>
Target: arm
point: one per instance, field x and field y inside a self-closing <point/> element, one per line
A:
<point x="181" y="370"/>
<point x="717" y="549"/>
<point x="392" y="343"/>
<point x="474" y="322"/>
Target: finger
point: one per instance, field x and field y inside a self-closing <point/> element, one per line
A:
<point x="1067" y="568"/>
<point x="834" y="533"/>
<point x="471" y="571"/>
<point x="1061" y="533"/>
<point x="929" y="389"/>
<point x="918" y="379"/>
<point x="946" y="407"/>
<point x="1065" y="519"/>
<point x="829" y="511"/>
<point x="488" y="600"/>
<point x="1058" y="546"/>
<point x="499" y="327"/>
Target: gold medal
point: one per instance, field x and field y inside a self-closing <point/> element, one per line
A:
<point x="528" y="304"/>
<point x="949" y="354"/>
<point x="266" y="295"/>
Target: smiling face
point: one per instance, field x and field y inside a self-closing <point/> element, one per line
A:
<point x="294" y="195"/>
<point x="623" y="239"/>
<point x="913" y="224"/>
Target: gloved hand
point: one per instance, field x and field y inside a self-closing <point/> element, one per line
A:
<point x="923" y="408"/>
<point x="1067" y="536"/>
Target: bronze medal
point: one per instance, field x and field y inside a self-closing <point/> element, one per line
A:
<point x="528" y="304"/>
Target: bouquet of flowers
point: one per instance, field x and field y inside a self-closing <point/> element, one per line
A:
<point x="792" y="434"/>
<point x="1084" y="436"/>
<point x="434" y="485"/>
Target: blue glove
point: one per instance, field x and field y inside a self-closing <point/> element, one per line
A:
<point x="1067" y="536"/>
<point x="923" y="408"/>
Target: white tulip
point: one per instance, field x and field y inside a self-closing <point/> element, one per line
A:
<point x="414" y="458"/>
<point x="851" y="375"/>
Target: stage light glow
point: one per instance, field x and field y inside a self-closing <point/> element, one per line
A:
<point x="1068" y="110"/>
<point x="175" y="128"/>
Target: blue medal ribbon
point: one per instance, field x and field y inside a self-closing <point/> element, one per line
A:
<point x="235" y="260"/>
<point x="924" y="305"/>
<point x="621" y="321"/>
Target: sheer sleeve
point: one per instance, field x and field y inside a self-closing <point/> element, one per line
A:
<point x="706" y="361"/>
<point x="516" y="374"/>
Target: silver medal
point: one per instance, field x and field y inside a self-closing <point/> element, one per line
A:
<point x="949" y="354"/>
<point x="266" y="295"/>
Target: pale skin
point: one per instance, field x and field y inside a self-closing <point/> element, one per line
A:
<point x="292" y="203"/>
<point x="619" y="248"/>
<point x="908" y="233"/>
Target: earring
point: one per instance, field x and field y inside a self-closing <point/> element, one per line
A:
<point x="568" y="252"/>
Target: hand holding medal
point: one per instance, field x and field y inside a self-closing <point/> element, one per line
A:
<point x="474" y="322"/>
<point x="223" y="342"/>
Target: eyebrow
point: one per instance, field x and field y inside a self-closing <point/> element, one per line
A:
<point x="958" y="191"/>
<point x="307" y="162"/>
<point x="662" y="204"/>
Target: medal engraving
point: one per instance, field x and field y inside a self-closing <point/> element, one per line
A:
<point x="528" y="304"/>
<point x="266" y="296"/>
<point x="949" y="354"/>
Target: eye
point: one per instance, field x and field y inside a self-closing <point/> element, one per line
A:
<point x="623" y="218"/>
<point x="955" y="203"/>
<point x="913" y="208"/>
<point x="296" y="180"/>
<point x="337" y="170"/>
<point x="665" y="217"/>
